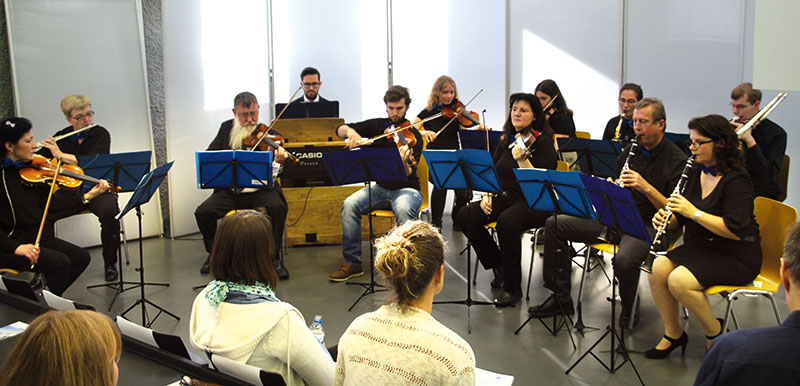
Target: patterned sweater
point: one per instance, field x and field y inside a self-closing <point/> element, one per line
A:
<point x="392" y="347"/>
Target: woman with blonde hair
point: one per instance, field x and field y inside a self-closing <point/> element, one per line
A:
<point x="67" y="348"/>
<point x="402" y="342"/>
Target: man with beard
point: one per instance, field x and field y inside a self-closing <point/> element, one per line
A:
<point x="310" y="81"/>
<point x="402" y="197"/>
<point x="231" y="136"/>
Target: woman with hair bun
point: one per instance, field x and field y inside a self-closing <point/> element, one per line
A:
<point x="401" y="342"/>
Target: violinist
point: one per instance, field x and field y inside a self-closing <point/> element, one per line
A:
<point x="559" y="116"/>
<point x="78" y="111"/>
<point x="402" y="197"/>
<point x="620" y="127"/>
<point x="443" y="94"/>
<point x="21" y="212"/>
<point x="525" y="124"/>
<point x="231" y="136"/>
<point x="764" y="145"/>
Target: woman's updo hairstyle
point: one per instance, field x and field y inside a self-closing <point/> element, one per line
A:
<point x="408" y="257"/>
<point x="12" y="129"/>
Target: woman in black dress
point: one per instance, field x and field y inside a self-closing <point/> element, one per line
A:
<point x="721" y="239"/>
<point x="443" y="94"/>
<point x="509" y="209"/>
<point x="21" y="209"/>
<point x="559" y="116"/>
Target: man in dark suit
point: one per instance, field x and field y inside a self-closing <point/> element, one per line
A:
<point x="309" y="80"/>
<point x="763" y="356"/>
<point x="230" y="137"/>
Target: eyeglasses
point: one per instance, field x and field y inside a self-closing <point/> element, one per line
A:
<point x="88" y="114"/>
<point x="251" y="114"/>
<point x="623" y="101"/>
<point x="312" y="84"/>
<point x="696" y="144"/>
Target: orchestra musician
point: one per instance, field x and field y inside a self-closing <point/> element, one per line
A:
<point x="402" y="197"/>
<point x="654" y="169"/>
<point x="721" y="239"/>
<point x="22" y="210"/>
<point x="231" y="136"/>
<point x="559" y="116"/>
<point x="509" y="209"/>
<point x="764" y="144"/>
<point x="78" y="111"/>
<point x="443" y="93"/>
<point x="629" y="95"/>
<point x="310" y="82"/>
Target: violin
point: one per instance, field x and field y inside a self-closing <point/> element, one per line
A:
<point x="403" y="137"/>
<point x="465" y="117"/>
<point x="262" y="140"/>
<point x="42" y="170"/>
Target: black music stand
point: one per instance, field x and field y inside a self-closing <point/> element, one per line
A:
<point x="476" y="139"/>
<point x="365" y="165"/>
<point x="559" y="193"/>
<point x="463" y="169"/>
<point x="141" y="195"/>
<point x="123" y="170"/>
<point x="597" y="157"/>
<point x="615" y="208"/>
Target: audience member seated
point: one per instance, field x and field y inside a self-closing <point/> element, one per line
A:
<point x="69" y="348"/>
<point x="238" y="316"/>
<point x="763" y="356"/>
<point x="401" y="343"/>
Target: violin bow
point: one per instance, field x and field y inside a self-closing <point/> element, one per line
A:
<point x="390" y="132"/>
<point x="275" y="119"/>
<point x="47" y="205"/>
<point x="459" y="113"/>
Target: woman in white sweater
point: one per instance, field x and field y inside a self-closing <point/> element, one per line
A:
<point x="237" y="315"/>
<point x="401" y="343"/>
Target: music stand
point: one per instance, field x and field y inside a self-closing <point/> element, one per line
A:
<point x="365" y="165"/>
<point x="123" y="170"/>
<point x="234" y="169"/>
<point x="615" y="208"/>
<point x="141" y="195"/>
<point x="597" y="157"/>
<point x="476" y="139"/>
<point x="560" y="193"/>
<point x="680" y="141"/>
<point x="470" y="169"/>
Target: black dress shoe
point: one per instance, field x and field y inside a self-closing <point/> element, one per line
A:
<point x="497" y="281"/>
<point x="508" y="299"/>
<point x="205" y="268"/>
<point x="625" y="318"/>
<point x="282" y="272"/>
<point x="552" y="306"/>
<point x="655" y="353"/>
<point x="111" y="272"/>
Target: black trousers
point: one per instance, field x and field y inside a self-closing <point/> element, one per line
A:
<point x="223" y="201"/>
<point x="557" y="263"/>
<point x="104" y="206"/>
<point x="438" y="199"/>
<point x="513" y="217"/>
<point x="61" y="263"/>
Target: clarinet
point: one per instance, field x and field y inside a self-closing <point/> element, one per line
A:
<point x="647" y="265"/>
<point x="626" y="165"/>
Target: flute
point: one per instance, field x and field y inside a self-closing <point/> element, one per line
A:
<point x="39" y="146"/>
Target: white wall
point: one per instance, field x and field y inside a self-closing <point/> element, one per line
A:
<point x="92" y="48"/>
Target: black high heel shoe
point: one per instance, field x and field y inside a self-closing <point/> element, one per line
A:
<point x="711" y="338"/>
<point x="655" y="353"/>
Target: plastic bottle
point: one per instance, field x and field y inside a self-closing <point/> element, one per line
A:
<point x="317" y="330"/>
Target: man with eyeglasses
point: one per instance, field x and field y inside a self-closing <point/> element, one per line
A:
<point x="78" y="112"/>
<point x="309" y="80"/>
<point x="271" y="201"/>
<point x="629" y="95"/>
<point x="655" y="168"/>
<point x="764" y="144"/>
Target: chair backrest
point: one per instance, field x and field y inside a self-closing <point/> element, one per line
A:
<point x="583" y="134"/>
<point x="562" y="166"/>
<point x="422" y="174"/>
<point x="774" y="220"/>
<point x="250" y="374"/>
<point x="783" y="178"/>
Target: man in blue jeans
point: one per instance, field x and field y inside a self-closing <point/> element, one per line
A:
<point x="402" y="197"/>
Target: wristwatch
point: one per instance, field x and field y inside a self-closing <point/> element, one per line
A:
<point x="697" y="215"/>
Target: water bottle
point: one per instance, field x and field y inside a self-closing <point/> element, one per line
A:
<point x="317" y="330"/>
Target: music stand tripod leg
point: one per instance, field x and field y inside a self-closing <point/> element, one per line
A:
<point x="369" y="288"/>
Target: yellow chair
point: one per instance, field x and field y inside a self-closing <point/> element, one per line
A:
<point x="774" y="220"/>
<point x="422" y="175"/>
<point x="9" y="270"/>
<point x="583" y="134"/>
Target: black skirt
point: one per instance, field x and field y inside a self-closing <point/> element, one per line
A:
<point x="719" y="261"/>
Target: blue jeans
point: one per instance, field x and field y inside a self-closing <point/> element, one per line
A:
<point x="404" y="203"/>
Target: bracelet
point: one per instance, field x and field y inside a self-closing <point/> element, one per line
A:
<point x="697" y="215"/>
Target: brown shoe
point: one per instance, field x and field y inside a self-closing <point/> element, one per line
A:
<point x="346" y="272"/>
